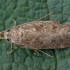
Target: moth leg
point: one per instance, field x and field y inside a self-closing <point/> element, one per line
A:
<point x="45" y="53"/>
<point x="14" y="22"/>
<point x="44" y="16"/>
<point x="11" y="49"/>
<point x="37" y="52"/>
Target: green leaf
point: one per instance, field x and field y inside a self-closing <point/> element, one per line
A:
<point x="29" y="10"/>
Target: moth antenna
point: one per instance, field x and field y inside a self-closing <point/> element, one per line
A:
<point x="44" y="16"/>
<point x="45" y="53"/>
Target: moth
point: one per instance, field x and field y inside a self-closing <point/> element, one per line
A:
<point x="39" y="35"/>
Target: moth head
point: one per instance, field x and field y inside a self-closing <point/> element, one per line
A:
<point x="1" y="35"/>
<point x="6" y="35"/>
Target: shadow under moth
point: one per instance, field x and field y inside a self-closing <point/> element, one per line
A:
<point x="39" y="35"/>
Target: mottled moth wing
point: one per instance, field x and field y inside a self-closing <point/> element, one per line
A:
<point x="40" y="35"/>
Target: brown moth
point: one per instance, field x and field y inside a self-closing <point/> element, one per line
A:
<point x="39" y="35"/>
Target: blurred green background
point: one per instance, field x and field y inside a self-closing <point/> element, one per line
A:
<point x="25" y="11"/>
